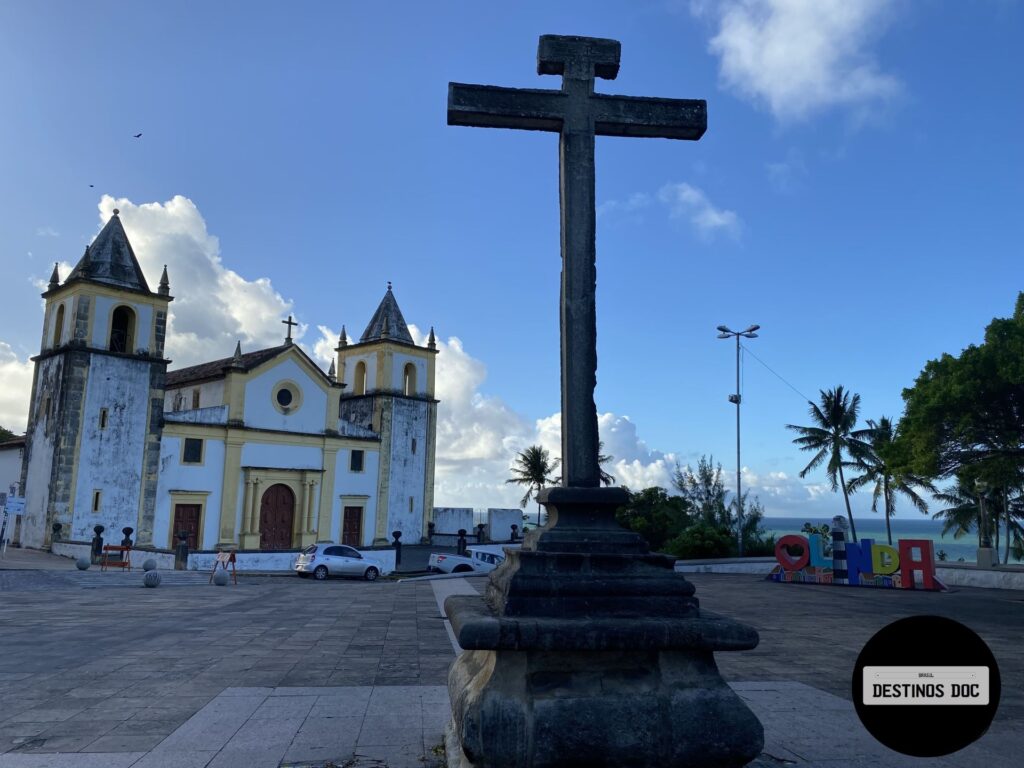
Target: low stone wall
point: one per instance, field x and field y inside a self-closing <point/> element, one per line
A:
<point x="77" y="549"/>
<point x="283" y="562"/>
<point x="952" y="575"/>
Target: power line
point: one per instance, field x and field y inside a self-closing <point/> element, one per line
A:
<point x="778" y="376"/>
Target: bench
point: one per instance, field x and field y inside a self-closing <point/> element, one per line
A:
<point x="115" y="556"/>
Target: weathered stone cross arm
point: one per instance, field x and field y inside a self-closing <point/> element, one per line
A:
<point x="532" y="109"/>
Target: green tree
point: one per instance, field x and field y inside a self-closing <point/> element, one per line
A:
<point x="6" y="434"/>
<point x="602" y="459"/>
<point x="969" y="410"/>
<point x="831" y="436"/>
<point x="704" y="490"/>
<point x="883" y="467"/>
<point x="655" y="515"/>
<point x="533" y="468"/>
<point x="961" y="514"/>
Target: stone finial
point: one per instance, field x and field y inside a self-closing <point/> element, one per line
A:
<point x="165" y="284"/>
<point x="236" y="360"/>
<point x="84" y="263"/>
<point x="332" y="372"/>
<point x="54" y="277"/>
<point x="116" y="212"/>
<point x="431" y="341"/>
<point x="385" y="332"/>
<point x="389" y="286"/>
<point x="343" y="339"/>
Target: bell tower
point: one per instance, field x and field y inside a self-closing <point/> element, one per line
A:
<point x="95" y="415"/>
<point x="389" y="387"/>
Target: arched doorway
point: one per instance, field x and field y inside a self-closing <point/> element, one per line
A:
<point x="277" y="515"/>
<point x="122" y="330"/>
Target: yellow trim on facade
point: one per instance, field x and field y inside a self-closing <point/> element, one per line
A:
<point x="229" y="491"/>
<point x="352" y="500"/>
<point x="243" y="434"/>
<point x="323" y="526"/>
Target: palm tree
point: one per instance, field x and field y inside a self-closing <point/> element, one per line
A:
<point x="881" y="467"/>
<point x="602" y="459"/>
<point x="963" y="513"/>
<point x="533" y="468"/>
<point x="831" y="436"/>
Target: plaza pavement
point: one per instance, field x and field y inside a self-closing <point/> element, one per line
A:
<point x="97" y="671"/>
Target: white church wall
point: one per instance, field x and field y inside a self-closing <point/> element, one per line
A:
<point x="103" y="307"/>
<point x="261" y="410"/>
<point x="211" y="394"/>
<point x="450" y="519"/>
<point x="10" y="466"/>
<point x="279" y="456"/>
<point x="348" y="483"/>
<point x="407" y="468"/>
<point x="198" y="478"/>
<point x="38" y="478"/>
<point x="110" y="458"/>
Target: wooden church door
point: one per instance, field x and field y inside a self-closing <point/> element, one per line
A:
<point x="277" y="515"/>
<point x="186" y="520"/>
<point x="352" y="527"/>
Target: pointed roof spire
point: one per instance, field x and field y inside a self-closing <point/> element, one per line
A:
<point x="54" y="277"/>
<point x="387" y="322"/>
<point x="111" y="260"/>
<point x="431" y="341"/>
<point x="332" y="373"/>
<point x="343" y="339"/>
<point x="165" y="284"/>
<point x="236" y="360"/>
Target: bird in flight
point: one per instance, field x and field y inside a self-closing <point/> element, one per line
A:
<point x="92" y="185"/>
<point x="137" y="136"/>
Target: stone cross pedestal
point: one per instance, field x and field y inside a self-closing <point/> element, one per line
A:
<point x="588" y="649"/>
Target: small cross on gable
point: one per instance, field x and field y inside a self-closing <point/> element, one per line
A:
<point x="289" y="322"/>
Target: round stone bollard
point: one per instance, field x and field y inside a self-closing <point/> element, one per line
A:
<point x="83" y="563"/>
<point x="149" y="565"/>
<point x="220" y="578"/>
<point x="151" y="579"/>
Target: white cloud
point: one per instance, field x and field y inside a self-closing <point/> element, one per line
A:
<point x="47" y="232"/>
<point x="16" y="376"/>
<point x="687" y="201"/>
<point x="213" y="306"/>
<point x="786" y="175"/>
<point x="800" y="56"/>
<point x="633" y="203"/>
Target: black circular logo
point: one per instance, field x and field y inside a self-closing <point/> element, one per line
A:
<point x="926" y="686"/>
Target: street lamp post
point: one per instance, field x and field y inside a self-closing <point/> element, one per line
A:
<point x="725" y="333"/>
<point x="986" y="555"/>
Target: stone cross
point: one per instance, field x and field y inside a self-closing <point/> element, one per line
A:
<point x="289" y="322"/>
<point x="577" y="114"/>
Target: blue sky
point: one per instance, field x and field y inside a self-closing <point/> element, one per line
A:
<point x="857" y="194"/>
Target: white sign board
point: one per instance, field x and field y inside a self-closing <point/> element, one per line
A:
<point x="15" y="505"/>
<point x="914" y="686"/>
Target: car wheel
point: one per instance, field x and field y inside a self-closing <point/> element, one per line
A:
<point x="320" y="573"/>
<point x="462" y="569"/>
<point x="371" y="574"/>
<point x="303" y="574"/>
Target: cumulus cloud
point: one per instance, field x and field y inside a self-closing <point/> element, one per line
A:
<point x="16" y="376"/>
<point x="634" y="202"/>
<point x="213" y="306"/>
<point x="47" y="232"/>
<point x="799" y="57"/>
<point x="687" y="201"/>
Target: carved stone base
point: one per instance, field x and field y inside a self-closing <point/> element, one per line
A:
<point x="542" y="709"/>
<point x="588" y="650"/>
<point x="249" y="541"/>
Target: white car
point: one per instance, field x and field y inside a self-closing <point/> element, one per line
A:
<point x="480" y="558"/>
<point x="323" y="560"/>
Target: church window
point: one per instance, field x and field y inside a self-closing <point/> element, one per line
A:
<point x="192" y="452"/>
<point x="355" y="463"/>
<point x="96" y="500"/>
<point x="122" y="330"/>
<point x="58" y="327"/>
<point x="414" y="446"/>
<point x="286" y="397"/>
<point x="359" y="385"/>
<point x="409" y="380"/>
<point x="103" y="418"/>
<point x="195" y="398"/>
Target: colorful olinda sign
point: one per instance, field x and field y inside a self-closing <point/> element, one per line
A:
<point x="866" y="564"/>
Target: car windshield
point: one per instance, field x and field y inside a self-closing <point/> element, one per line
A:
<point x="310" y="550"/>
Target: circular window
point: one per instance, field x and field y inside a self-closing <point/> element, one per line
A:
<point x="286" y="396"/>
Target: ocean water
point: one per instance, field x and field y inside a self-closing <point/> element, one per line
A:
<point x="903" y="527"/>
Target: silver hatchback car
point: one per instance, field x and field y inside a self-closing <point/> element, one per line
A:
<point x="323" y="560"/>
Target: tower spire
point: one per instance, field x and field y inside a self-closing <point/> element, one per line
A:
<point x="54" y="277"/>
<point x="332" y="372"/>
<point x="431" y="341"/>
<point x="343" y="339"/>
<point x="165" y="284"/>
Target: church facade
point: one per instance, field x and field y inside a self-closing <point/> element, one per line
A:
<point x="260" y="451"/>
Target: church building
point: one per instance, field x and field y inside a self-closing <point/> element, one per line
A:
<point x="261" y="450"/>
